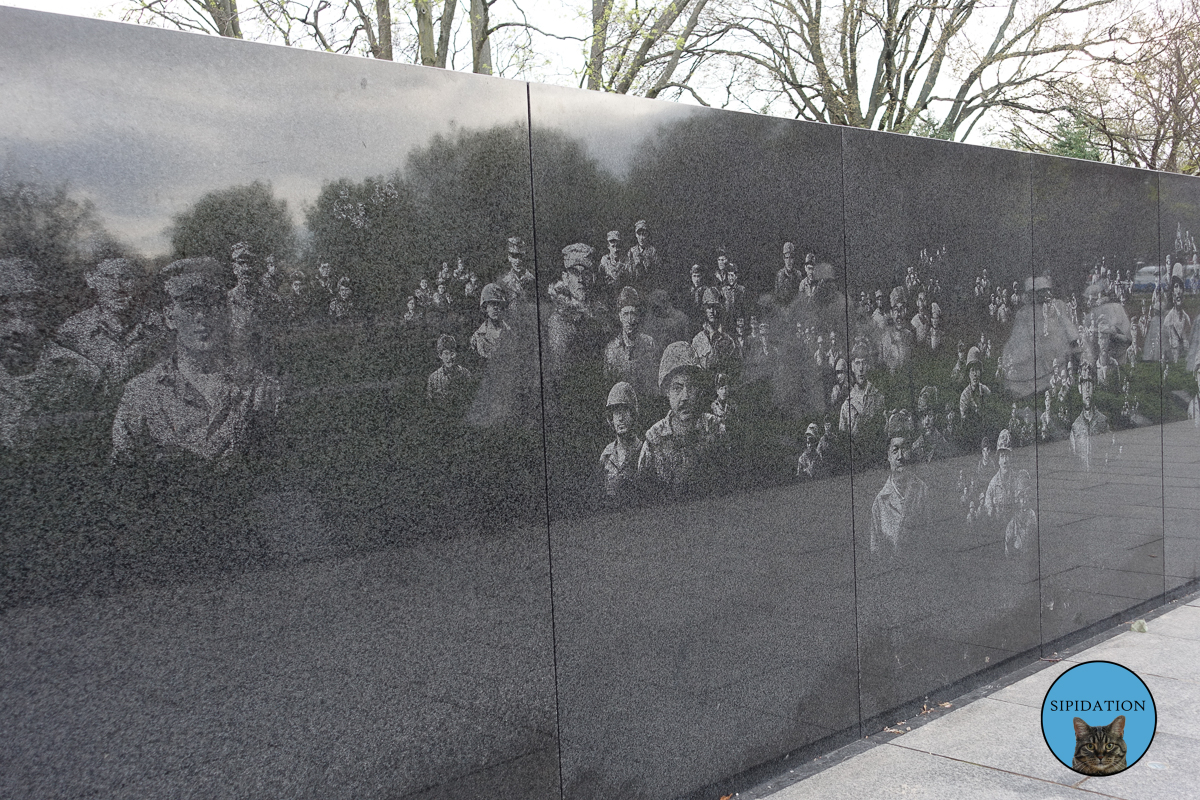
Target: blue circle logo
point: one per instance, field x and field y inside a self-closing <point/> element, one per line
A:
<point x="1098" y="718"/>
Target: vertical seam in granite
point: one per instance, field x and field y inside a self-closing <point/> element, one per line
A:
<point x="849" y="346"/>
<point x="1037" y="439"/>
<point x="537" y="300"/>
<point x="1162" y="392"/>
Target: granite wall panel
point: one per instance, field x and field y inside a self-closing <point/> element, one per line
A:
<point x="267" y="530"/>
<point x="1095" y="231"/>
<point x="703" y="576"/>
<point x="1179" y="221"/>
<point x="946" y="537"/>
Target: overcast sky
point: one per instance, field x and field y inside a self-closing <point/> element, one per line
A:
<point x="144" y="121"/>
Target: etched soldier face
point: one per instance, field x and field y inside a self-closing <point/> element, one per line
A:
<point x="922" y="303"/>
<point x="927" y="420"/>
<point x="622" y="419"/>
<point x="683" y="393"/>
<point x="973" y="374"/>
<point x="612" y="246"/>
<point x="643" y="236"/>
<point x="740" y="325"/>
<point x="21" y="337"/>
<point x="731" y="278"/>
<point x="859" y="368"/>
<point x="1003" y="457"/>
<point x="344" y="291"/>
<point x="789" y="260"/>
<point x="448" y="357"/>
<point x="1085" y="393"/>
<point x="493" y="310"/>
<point x="324" y="270"/>
<point x="424" y="284"/>
<point x="722" y="262"/>
<point x="297" y="286"/>
<point x="514" y="261"/>
<point x="763" y="328"/>
<point x="897" y="452"/>
<point x="695" y="279"/>
<point x="200" y="319"/>
<point x="630" y="318"/>
<point x="712" y="314"/>
<point x="722" y="392"/>
<point x="114" y="289"/>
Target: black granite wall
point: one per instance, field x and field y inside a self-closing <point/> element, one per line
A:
<point x="376" y="431"/>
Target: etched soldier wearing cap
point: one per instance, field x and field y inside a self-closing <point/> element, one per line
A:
<point x="684" y="448"/>
<point x="1090" y="428"/>
<point x="931" y="443"/>
<point x="643" y="260"/>
<point x="619" y="461"/>
<point x="613" y="265"/>
<point x="493" y="300"/>
<point x="200" y="400"/>
<point x="865" y="402"/>
<point x="448" y="386"/>
<point x="37" y="376"/>
<point x="570" y="304"/>
<point x="973" y="398"/>
<point x="811" y="281"/>
<point x="517" y="281"/>
<point x="901" y="509"/>
<point x="713" y="347"/>
<point x="1000" y="499"/>
<point x="787" y="280"/>
<point x="243" y="298"/>
<point x="632" y="355"/>
<point x="115" y="334"/>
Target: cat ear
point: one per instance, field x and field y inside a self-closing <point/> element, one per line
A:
<point x="1117" y="726"/>
<point x="1082" y="729"/>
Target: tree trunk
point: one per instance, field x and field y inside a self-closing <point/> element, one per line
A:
<point x="595" y="69"/>
<point x="481" y="45"/>
<point x="425" y="33"/>
<point x="449" y="9"/>
<point x="225" y="14"/>
<point x="383" y="15"/>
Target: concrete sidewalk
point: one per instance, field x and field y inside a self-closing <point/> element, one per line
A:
<point x="989" y="744"/>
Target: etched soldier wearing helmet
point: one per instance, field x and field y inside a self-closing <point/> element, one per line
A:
<point x="619" y="461"/>
<point x="713" y="347"/>
<point x="493" y="300"/>
<point x="684" y="448"/>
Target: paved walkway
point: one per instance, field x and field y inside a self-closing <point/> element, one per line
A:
<point x="990" y="744"/>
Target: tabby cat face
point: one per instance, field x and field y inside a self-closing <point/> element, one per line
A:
<point x="1099" y="750"/>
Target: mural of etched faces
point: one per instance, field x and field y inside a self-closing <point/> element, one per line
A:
<point x="1178" y="228"/>
<point x="1098" y="306"/>
<point x="940" y="437"/>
